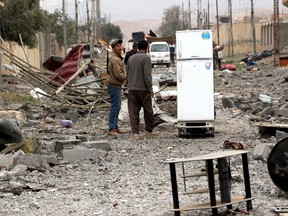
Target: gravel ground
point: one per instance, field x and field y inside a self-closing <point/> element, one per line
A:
<point x="133" y="178"/>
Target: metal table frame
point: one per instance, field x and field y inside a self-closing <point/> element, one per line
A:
<point x="208" y="158"/>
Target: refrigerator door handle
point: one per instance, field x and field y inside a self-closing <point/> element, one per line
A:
<point x="180" y="73"/>
<point x="179" y="49"/>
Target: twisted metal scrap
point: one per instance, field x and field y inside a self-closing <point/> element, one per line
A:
<point x="68" y="94"/>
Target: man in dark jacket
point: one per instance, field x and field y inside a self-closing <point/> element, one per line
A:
<point x="131" y="52"/>
<point x="139" y="83"/>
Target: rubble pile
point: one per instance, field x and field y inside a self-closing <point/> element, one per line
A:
<point x="74" y="83"/>
<point x="76" y="169"/>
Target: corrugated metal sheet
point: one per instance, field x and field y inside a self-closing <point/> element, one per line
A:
<point x="69" y="65"/>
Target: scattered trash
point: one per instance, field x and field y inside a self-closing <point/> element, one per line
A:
<point x="38" y="93"/>
<point x="265" y="98"/>
<point x="66" y="123"/>
<point x="233" y="145"/>
<point x="228" y="66"/>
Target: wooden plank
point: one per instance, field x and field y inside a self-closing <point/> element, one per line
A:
<point x="266" y="124"/>
<point x="283" y="214"/>
<point x="210" y="156"/>
<point x="206" y="205"/>
<point x="201" y="190"/>
<point x="11" y="147"/>
<point x="72" y="77"/>
<point x="198" y="174"/>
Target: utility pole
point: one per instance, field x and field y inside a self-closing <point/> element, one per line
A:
<point x="93" y="30"/>
<point x="276" y="33"/>
<point x="230" y="31"/>
<point x="198" y="15"/>
<point x="64" y="28"/>
<point x="183" y="20"/>
<point x="208" y="16"/>
<point x="76" y="19"/>
<point x="217" y="18"/>
<point x="98" y="19"/>
<point x="205" y="19"/>
<point x="253" y="27"/>
<point x="1" y="5"/>
<point x="189" y="5"/>
<point x="88" y="20"/>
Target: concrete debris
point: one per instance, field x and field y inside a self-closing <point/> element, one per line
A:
<point x="130" y="174"/>
<point x="261" y="152"/>
<point x="80" y="154"/>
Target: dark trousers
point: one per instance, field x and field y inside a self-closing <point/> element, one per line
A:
<point x="172" y="57"/>
<point x="136" y="100"/>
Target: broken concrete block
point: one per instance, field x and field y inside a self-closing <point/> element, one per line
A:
<point x="281" y="135"/>
<point x="51" y="159"/>
<point x="33" y="161"/>
<point x="6" y="161"/>
<point x="72" y="155"/>
<point x="261" y="152"/>
<point x="101" y="144"/>
<point x="65" y="144"/>
<point x="283" y="111"/>
<point x="19" y="169"/>
<point x="17" y="154"/>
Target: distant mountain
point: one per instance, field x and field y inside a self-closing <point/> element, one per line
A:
<point x="127" y="27"/>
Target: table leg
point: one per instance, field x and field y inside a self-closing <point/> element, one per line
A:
<point x="174" y="188"/>
<point x="211" y="184"/>
<point x="246" y="181"/>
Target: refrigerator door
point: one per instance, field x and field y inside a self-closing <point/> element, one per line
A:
<point x="194" y="44"/>
<point x="195" y="90"/>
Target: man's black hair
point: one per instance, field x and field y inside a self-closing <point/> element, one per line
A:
<point x="142" y="45"/>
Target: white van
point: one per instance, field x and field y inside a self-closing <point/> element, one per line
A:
<point x="159" y="53"/>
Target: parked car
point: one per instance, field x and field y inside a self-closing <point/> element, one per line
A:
<point x="159" y="53"/>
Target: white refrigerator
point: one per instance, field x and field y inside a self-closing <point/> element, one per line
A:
<point x="195" y="83"/>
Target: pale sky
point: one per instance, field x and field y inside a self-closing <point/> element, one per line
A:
<point x="130" y="10"/>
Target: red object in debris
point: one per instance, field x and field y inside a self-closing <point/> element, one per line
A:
<point x="228" y="66"/>
<point x="69" y="65"/>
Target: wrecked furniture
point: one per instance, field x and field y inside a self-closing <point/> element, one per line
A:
<point x="224" y="176"/>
